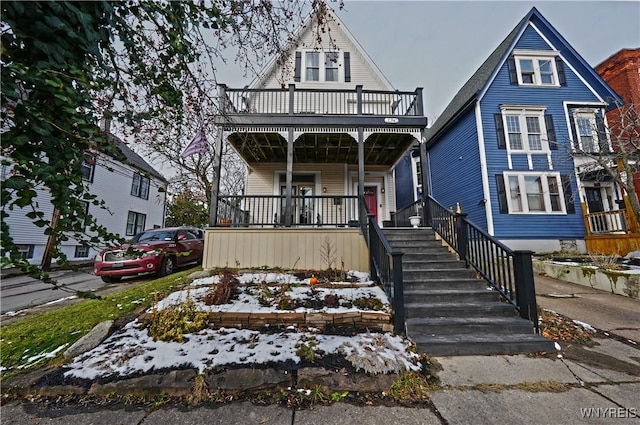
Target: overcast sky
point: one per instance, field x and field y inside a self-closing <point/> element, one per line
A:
<point x="438" y="45"/>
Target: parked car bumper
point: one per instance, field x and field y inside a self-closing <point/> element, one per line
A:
<point x="128" y="267"/>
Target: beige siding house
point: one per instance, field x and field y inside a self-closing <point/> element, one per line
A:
<point x="320" y="132"/>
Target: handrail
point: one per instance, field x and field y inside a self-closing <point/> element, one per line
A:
<point x="400" y="218"/>
<point x="385" y="264"/>
<point x="508" y="271"/>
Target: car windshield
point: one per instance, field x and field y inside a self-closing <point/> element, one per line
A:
<point x="157" y="235"/>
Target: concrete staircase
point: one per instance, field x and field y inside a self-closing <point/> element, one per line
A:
<point x="448" y="311"/>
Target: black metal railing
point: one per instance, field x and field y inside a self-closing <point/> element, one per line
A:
<point x="325" y="102"/>
<point x="400" y="218"/>
<point x="385" y="265"/>
<point x="265" y="210"/>
<point x="508" y="271"/>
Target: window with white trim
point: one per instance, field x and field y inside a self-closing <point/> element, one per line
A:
<point x="416" y="167"/>
<point x="534" y="193"/>
<point x="135" y="223"/>
<point x="87" y="168"/>
<point x="589" y="130"/>
<point x="81" y="251"/>
<point x="25" y="251"/>
<point x="327" y="69"/>
<point x="536" y="71"/>
<point x="525" y="130"/>
<point x="140" y="186"/>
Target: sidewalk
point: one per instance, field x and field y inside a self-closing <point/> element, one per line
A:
<point x="601" y="387"/>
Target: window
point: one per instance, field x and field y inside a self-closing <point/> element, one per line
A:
<point x="525" y="130"/>
<point x="82" y="251"/>
<point x="536" y="71"/>
<point x="328" y="70"/>
<point x="87" y="168"/>
<point x="331" y="66"/>
<point x="26" y="251"/>
<point x="589" y="134"/>
<point x="533" y="193"/>
<point x="135" y="223"/>
<point x="140" y="186"/>
<point x="416" y="166"/>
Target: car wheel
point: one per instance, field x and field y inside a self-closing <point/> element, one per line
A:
<point x="167" y="267"/>
<point x="110" y="279"/>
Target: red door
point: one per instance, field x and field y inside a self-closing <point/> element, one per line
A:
<point x="371" y="200"/>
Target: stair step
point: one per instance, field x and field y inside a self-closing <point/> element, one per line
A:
<point x="486" y="344"/>
<point x="430" y="264"/>
<point x="428" y="256"/>
<point x="454" y="309"/>
<point x="443" y="273"/>
<point x="442" y="283"/>
<point x="432" y="326"/>
<point x="427" y="295"/>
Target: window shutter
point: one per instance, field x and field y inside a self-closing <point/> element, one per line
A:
<point x="298" y="69"/>
<point x="551" y="131"/>
<point x="502" y="143"/>
<point x="568" y="194"/>
<point x="502" y="194"/>
<point x="347" y="67"/>
<point x="562" y="77"/>
<point x="513" y="73"/>
<point x="603" y="142"/>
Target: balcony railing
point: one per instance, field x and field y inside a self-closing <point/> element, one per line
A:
<point x="325" y="102"/>
<point x="269" y="211"/>
<point x="602" y="223"/>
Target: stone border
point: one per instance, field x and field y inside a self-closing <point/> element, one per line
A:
<point x="375" y="320"/>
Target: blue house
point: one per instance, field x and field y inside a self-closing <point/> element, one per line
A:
<point x="510" y="147"/>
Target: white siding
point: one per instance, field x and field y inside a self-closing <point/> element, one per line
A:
<point x="111" y="183"/>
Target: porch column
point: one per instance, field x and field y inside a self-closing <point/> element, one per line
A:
<point x="363" y="215"/>
<point x="215" y="184"/>
<point x="426" y="207"/>
<point x="288" y="209"/>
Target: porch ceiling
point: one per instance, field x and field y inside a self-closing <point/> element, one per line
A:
<point x="327" y="148"/>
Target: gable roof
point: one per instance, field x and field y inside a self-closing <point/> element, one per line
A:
<point x="476" y="86"/>
<point x="134" y="159"/>
<point x="307" y="26"/>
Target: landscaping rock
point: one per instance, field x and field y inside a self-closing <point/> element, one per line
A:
<point x="91" y="340"/>
<point x="249" y="379"/>
<point x="177" y="383"/>
<point x="341" y="380"/>
<point x="200" y="274"/>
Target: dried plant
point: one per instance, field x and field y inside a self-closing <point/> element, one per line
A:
<point x="224" y="290"/>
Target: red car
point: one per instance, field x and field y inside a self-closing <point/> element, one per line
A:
<point x="157" y="251"/>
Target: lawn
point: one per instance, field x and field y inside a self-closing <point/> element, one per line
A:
<point x="39" y="340"/>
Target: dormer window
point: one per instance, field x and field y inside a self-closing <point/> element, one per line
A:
<point x="530" y="68"/>
<point x="312" y="66"/>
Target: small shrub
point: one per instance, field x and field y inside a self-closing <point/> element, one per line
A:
<point x="224" y="290"/>
<point x="331" y="301"/>
<point x="370" y="303"/>
<point x="308" y="349"/>
<point x="171" y="323"/>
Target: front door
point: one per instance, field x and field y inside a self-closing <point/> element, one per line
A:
<point x="594" y="199"/>
<point x="371" y="200"/>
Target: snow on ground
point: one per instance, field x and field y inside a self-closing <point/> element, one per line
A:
<point x="131" y="350"/>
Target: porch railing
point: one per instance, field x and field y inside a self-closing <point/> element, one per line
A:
<point x="602" y="223"/>
<point x="326" y="102"/>
<point x="400" y="218"/>
<point x="386" y="268"/>
<point x="507" y="271"/>
<point x="265" y="210"/>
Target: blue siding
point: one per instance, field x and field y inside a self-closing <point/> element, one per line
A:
<point x="519" y="161"/>
<point x="533" y="226"/>
<point x="404" y="180"/>
<point x="455" y="170"/>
